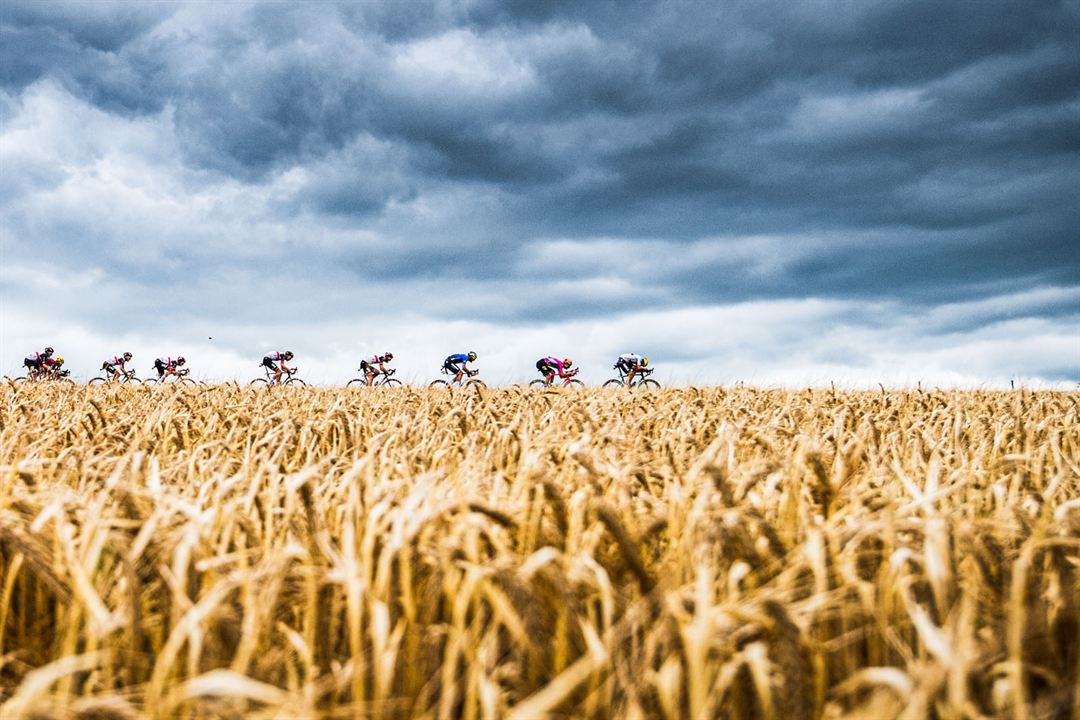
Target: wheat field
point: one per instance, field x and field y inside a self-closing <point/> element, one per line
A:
<point x="222" y="552"/>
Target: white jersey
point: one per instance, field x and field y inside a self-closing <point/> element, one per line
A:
<point x="630" y="359"/>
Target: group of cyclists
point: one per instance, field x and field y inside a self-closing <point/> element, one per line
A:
<point x="44" y="365"/>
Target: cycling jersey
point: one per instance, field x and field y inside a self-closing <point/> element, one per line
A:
<point x="459" y="358"/>
<point x="165" y="362"/>
<point x="376" y="360"/>
<point x="553" y="363"/>
<point x="115" y="361"/>
<point x="278" y="356"/>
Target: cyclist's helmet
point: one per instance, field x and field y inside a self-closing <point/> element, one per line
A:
<point x="644" y="362"/>
<point x="472" y="355"/>
<point x="288" y="355"/>
<point x="59" y="361"/>
<point x="180" y="360"/>
<point x="567" y="362"/>
<point x="127" y="356"/>
<point x="389" y="356"/>
<point x="48" y="351"/>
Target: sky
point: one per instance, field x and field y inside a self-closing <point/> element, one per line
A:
<point x="772" y="192"/>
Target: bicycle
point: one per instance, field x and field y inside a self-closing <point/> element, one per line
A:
<point x="269" y="379"/>
<point x="641" y="379"/>
<point x="127" y="376"/>
<point x="178" y="377"/>
<point x="380" y="380"/>
<point x="568" y="381"/>
<point x="60" y="376"/>
<point x="460" y="383"/>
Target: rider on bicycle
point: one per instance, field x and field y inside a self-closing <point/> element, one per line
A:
<point x="549" y="367"/>
<point x="451" y="364"/>
<point x="168" y="366"/>
<point x="631" y="364"/>
<point x="37" y="363"/>
<point x="116" y="361"/>
<point x="372" y="366"/>
<point x="54" y="367"/>
<point x="276" y="362"/>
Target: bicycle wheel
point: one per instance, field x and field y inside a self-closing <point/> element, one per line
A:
<point x="439" y="384"/>
<point x="476" y="383"/>
<point x="395" y="383"/>
<point x="66" y="381"/>
<point x="296" y="382"/>
<point x="187" y="382"/>
<point x="257" y="382"/>
<point x="358" y="382"/>
<point x="98" y="381"/>
<point x="651" y="384"/>
<point x="19" y="380"/>
<point x="613" y="383"/>
<point x="575" y="384"/>
<point x="538" y="384"/>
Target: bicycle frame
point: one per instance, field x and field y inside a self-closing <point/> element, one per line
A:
<point x="121" y="376"/>
<point x="641" y="378"/>
<point x="468" y="377"/>
<point x="569" y="381"/>
<point x="178" y="376"/>
<point x="286" y="375"/>
<point x="379" y="379"/>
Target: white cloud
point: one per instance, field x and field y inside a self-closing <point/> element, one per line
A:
<point x="463" y="65"/>
<point x="793" y="343"/>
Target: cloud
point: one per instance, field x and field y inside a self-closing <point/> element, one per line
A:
<point x="525" y="168"/>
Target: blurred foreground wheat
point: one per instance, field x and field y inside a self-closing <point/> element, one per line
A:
<point x="223" y="552"/>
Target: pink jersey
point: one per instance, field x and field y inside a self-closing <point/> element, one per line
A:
<point x="555" y="363"/>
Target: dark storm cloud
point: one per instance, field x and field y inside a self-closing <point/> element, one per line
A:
<point x="932" y="150"/>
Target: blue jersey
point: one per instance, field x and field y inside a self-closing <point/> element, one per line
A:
<point x="458" y="359"/>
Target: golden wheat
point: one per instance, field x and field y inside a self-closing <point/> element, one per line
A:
<point x="225" y="552"/>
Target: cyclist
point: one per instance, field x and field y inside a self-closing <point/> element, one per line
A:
<point x="116" y="361"/>
<point x="36" y="362"/>
<point x="168" y="366"/>
<point x="549" y="367"/>
<point x="452" y="363"/>
<point x="53" y="366"/>
<point x="368" y="366"/>
<point x="276" y="362"/>
<point x="631" y="364"/>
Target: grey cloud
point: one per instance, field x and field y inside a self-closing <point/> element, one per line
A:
<point x="909" y="152"/>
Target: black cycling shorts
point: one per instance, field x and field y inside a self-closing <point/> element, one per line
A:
<point x="267" y="362"/>
<point x="160" y="367"/>
<point x="108" y="367"/>
<point x="544" y="368"/>
<point x="452" y="367"/>
<point x="364" y="365"/>
<point x="32" y="364"/>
